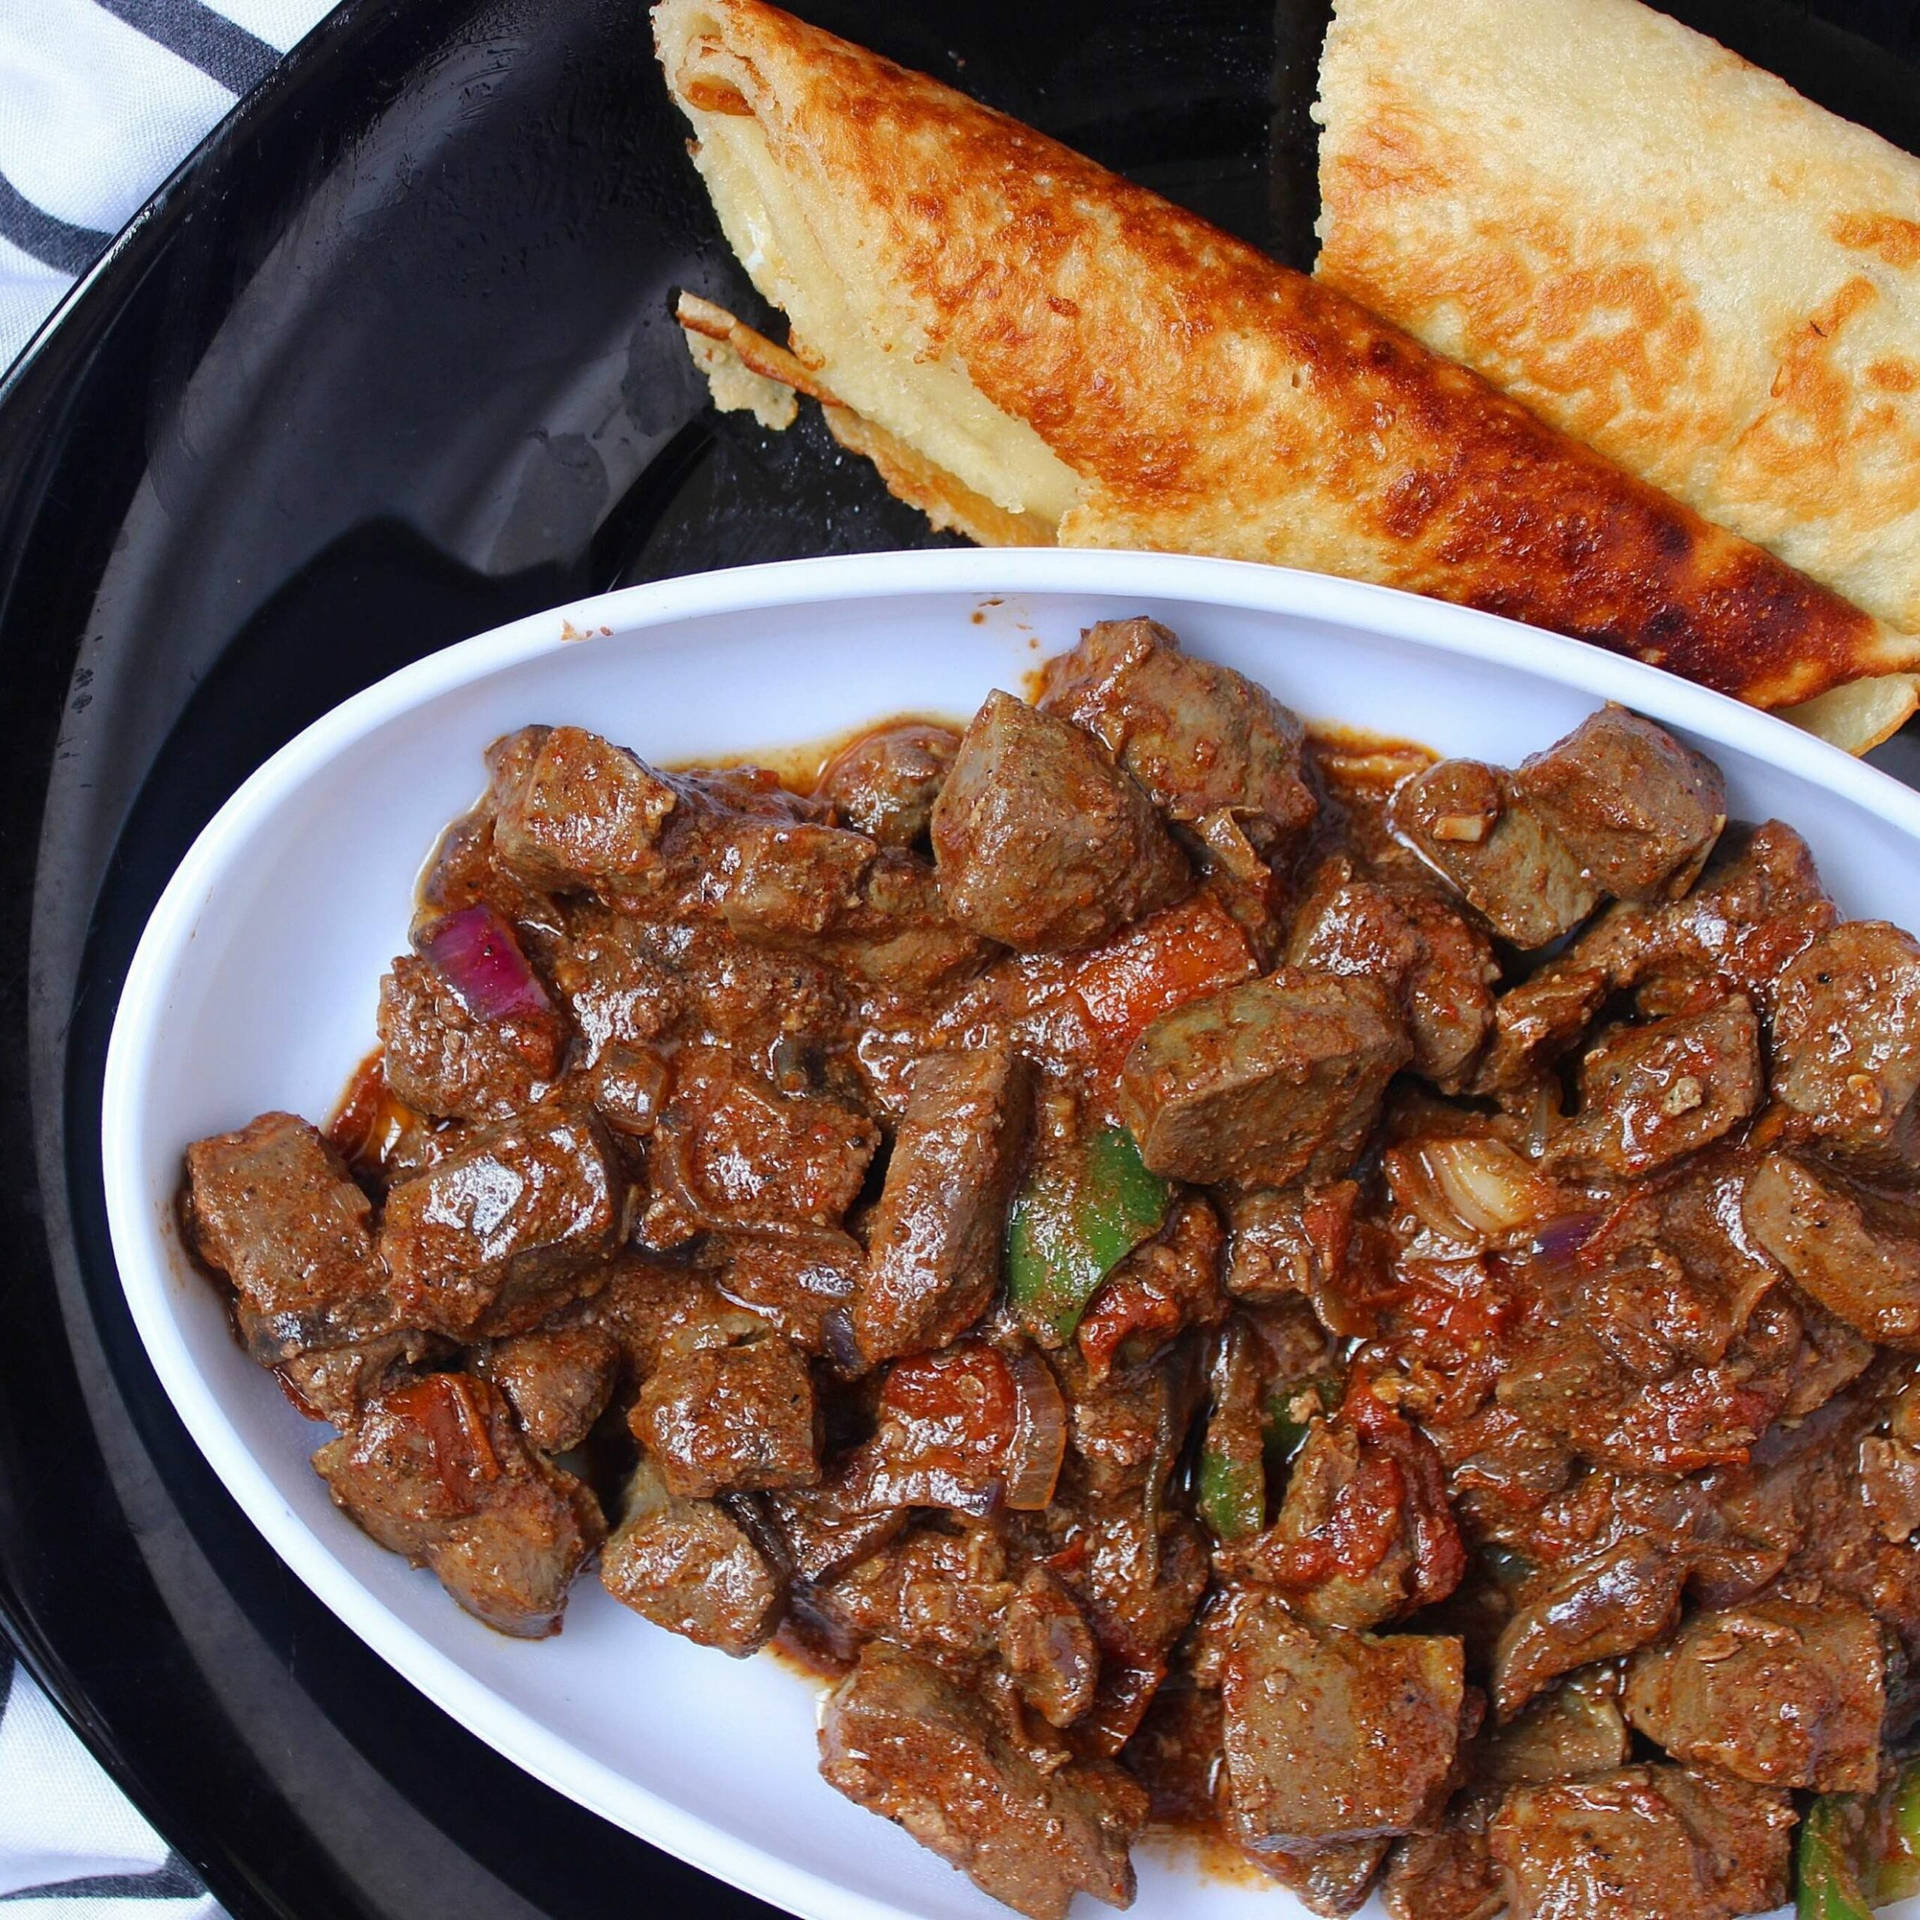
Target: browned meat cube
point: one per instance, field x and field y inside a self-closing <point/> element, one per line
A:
<point x="1781" y="1694"/>
<point x="1643" y="1843"/>
<point x="272" y="1207"/>
<point x="1040" y="841"/>
<point x="1330" y="1880"/>
<point x="1602" y="1605"/>
<point x="582" y="813"/>
<point x="438" y="1471"/>
<point x="628" y="1087"/>
<point x="335" y="1384"/>
<point x="1201" y="739"/>
<point x="557" y="1380"/>
<point x="801" y="1283"/>
<point x="1649" y="1094"/>
<point x="1046" y="1644"/>
<point x="1333" y="1736"/>
<point x="690" y="1567"/>
<point x="934" y="1239"/>
<point x="731" y="1150"/>
<point x="884" y="784"/>
<point x="1573" y="1729"/>
<point x="731" y="1419"/>
<point x="897" y="1735"/>
<point x="1266" y="1083"/>
<point x="778" y="880"/>
<point x="1448" y="1875"/>
<point x="618" y="993"/>
<point x="444" y="1060"/>
<point x="941" y="1593"/>
<point x="1406" y="938"/>
<point x="1846" y="1042"/>
<point x="1465" y="820"/>
<point x="1539" y="1020"/>
<point x="1855" y="1251"/>
<point x="901" y="935"/>
<point x="1639" y="811"/>
<point x="491" y="1239"/>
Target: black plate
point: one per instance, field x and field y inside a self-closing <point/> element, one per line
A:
<point x="387" y="363"/>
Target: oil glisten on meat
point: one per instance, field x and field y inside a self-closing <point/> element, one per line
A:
<point x="1202" y="1274"/>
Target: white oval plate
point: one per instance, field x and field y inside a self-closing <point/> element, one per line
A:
<point x="254" y="987"/>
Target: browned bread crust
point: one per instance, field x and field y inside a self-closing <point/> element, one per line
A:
<point x="1208" y="400"/>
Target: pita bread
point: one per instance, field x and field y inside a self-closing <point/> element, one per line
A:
<point x="1026" y="341"/>
<point x="1660" y="249"/>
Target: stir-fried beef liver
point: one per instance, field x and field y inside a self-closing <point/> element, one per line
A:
<point x="906" y="1739"/>
<point x="1365" y="1303"/>
<point x="1041" y="841"/>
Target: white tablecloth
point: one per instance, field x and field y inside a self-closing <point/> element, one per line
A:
<point x="99" y="101"/>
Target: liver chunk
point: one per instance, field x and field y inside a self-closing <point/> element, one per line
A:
<point x="1616" y="808"/>
<point x="690" y="1567"/>
<point x="444" y="1060"/>
<point x="1642" y="1843"/>
<point x="272" y="1207"/>
<point x="1856" y="1252"/>
<point x="1780" y="1694"/>
<point x="558" y="1381"/>
<point x="885" y="783"/>
<point x="1040" y="841"/>
<point x="1265" y="1083"/>
<point x="732" y="1419"/>
<point x="438" y="1471"/>
<point x="934" y="1240"/>
<point x="908" y="1741"/>
<point x="582" y="813"/>
<point x="1846" y="1041"/>
<point x="1198" y="737"/>
<point x="1649" y="1094"/>
<point x="1413" y="941"/>
<point x="1333" y="1736"/>
<point x="1639" y="811"/>
<point x="730" y="1150"/>
<point x="1466" y="820"/>
<point x="489" y="1240"/>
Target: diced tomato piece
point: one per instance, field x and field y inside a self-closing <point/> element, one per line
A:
<point x="1160" y="963"/>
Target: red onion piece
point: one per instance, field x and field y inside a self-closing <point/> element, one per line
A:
<point x="1566" y="1235"/>
<point x="477" y="952"/>
<point x="1039" y="1434"/>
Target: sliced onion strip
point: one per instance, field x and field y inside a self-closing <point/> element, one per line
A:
<point x="1039" y="1446"/>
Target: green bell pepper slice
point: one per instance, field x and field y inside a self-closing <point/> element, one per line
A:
<point x="1078" y="1217"/>
<point x="1897" y="1876"/>
<point x="1830" y="1876"/>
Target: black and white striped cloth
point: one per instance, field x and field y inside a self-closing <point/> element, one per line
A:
<point x="99" y="101"/>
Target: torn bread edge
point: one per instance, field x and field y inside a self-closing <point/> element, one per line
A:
<point x="747" y="372"/>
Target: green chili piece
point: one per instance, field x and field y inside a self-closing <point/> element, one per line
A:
<point x="1233" y="1495"/>
<point x="1898" y="1874"/>
<point x="1290" y="1413"/>
<point x="1079" y="1216"/>
<point x="1828" y="1872"/>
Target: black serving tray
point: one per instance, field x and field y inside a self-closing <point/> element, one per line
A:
<point x="389" y="361"/>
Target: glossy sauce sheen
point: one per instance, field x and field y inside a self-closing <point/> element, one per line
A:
<point x="1318" y="1325"/>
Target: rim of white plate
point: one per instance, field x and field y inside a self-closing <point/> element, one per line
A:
<point x="142" y="1258"/>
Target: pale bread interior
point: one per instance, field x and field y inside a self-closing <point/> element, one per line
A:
<point x="787" y="230"/>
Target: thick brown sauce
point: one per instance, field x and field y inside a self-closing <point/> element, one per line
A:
<point x="1360" y="769"/>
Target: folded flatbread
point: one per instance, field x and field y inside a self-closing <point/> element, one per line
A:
<point x="1035" y="350"/>
<point x="1662" y="250"/>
